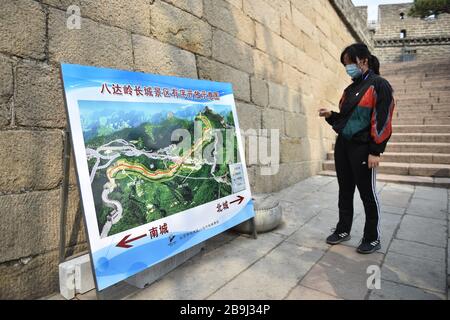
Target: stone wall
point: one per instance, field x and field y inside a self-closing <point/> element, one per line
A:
<point x="282" y="57"/>
<point x="430" y="39"/>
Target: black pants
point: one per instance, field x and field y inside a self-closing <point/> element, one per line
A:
<point x="351" y="160"/>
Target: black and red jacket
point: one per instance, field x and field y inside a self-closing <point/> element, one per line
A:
<point x="366" y="110"/>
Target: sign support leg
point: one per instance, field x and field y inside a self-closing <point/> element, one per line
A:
<point x="253" y="226"/>
<point x="64" y="198"/>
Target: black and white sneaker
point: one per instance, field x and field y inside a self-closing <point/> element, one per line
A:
<point x="336" y="238"/>
<point x="369" y="246"/>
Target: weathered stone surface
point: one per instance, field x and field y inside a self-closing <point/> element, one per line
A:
<point x="6" y="91"/>
<point x="173" y="25"/>
<point x="236" y="3"/>
<point x="417" y="229"/>
<point x="283" y="7"/>
<point x="428" y="208"/>
<point x="75" y="228"/>
<point x="267" y="67"/>
<point x="227" y="17"/>
<point x="232" y="51"/>
<point x="164" y="58"/>
<point x="260" y="92"/>
<point x="303" y="22"/>
<point x="249" y="116"/>
<point x="342" y="273"/>
<point x="31" y="277"/>
<point x="118" y="13"/>
<point x="395" y="291"/>
<point x="273" y="119"/>
<point x="22" y="28"/>
<point x="269" y="42"/>
<point x="436" y="194"/>
<point x="6" y="79"/>
<point x="418" y="250"/>
<point x="216" y="71"/>
<point x="29" y="224"/>
<point x="5" y="114"/>
<point x="193" y="6"/>
<point x="292" y="33"/>
<point x="33" y="161"/>
<point x="293" y="150"/>
<point x="294" y="260"/>
<point x="413" y="271"/>
<point x="198" y="278"/>
<point x="304" y="293"/>
<point x="39" y="97"/>
<point x="90" y="45"/>
<point x="295" y="79"/>
<point x="284" y="175"/>
<point x="396" y="199"/>
<point x="295" y="125"/>
<point x="281" y="97"/>
<point x="262" y="12"/>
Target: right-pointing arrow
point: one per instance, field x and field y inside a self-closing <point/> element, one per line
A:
<point x="240" y="199"/>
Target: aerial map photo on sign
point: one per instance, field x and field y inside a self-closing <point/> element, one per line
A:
<point x="138" y="174"/>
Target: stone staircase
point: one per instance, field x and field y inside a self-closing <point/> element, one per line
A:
<point x="419" y="149"/>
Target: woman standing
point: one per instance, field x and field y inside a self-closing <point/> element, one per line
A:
<point x="364" y="127"/>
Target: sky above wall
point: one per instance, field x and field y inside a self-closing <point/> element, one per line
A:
<point x="373" y="5"/>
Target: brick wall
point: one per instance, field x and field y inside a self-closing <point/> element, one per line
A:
<point x="282" y="57"/>
<point x="430" y="39"/>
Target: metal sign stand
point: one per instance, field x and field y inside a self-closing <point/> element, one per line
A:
<point x="64" y="198"/>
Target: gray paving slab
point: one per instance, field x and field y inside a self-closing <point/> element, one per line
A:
<point x="203" y="274"/>
<point x="293" y="217"/>
<point x="394" y="198"/>
<point x="417" y="272"/>
<point x="395" y="291"/>
<point x="428" y="208"/>
<point x="304" y="293"/>
<point x="314" y="233"/>
<point x="342" y="273"/>
<point x="298" y="191"/>
<point x="423" y="230"/>
<point x="273" y="276"/>
<point x="392" y="209"/>
<point x="220" y="240"/>
<point x="331" y="187"/>
<point x="418" y="250"/>
<point x="397" y="187"/>
<point x="430" y="193"/>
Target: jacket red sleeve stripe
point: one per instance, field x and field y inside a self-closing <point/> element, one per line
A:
<point x="381" y="119"/>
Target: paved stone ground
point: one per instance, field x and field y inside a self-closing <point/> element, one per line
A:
<point x="294" y="262"/>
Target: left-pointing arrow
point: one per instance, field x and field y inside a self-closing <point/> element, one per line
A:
<point x="124" y="243"/>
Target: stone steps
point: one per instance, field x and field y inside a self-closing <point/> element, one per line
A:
<point x="421" y="147"/>
<point x="410" y="157"/>
<point x="422" y="114"/>
<point x="420" y="137"/>
<point x="443" y="94"/>
<point x="422" y="108"/>
<point x="414" y="180"/>
<point x="408" y="128"/>
<point x="423" y="120"/>
<point x="412" y="169"/>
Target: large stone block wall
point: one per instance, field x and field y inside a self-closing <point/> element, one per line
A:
<point x="282" y="58"/>
<point x="429" y="38"/>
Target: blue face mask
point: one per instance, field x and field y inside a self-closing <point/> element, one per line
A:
<point x="353" y="71"/>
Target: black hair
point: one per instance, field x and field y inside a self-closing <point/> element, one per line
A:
<point x="361" y="51"/>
